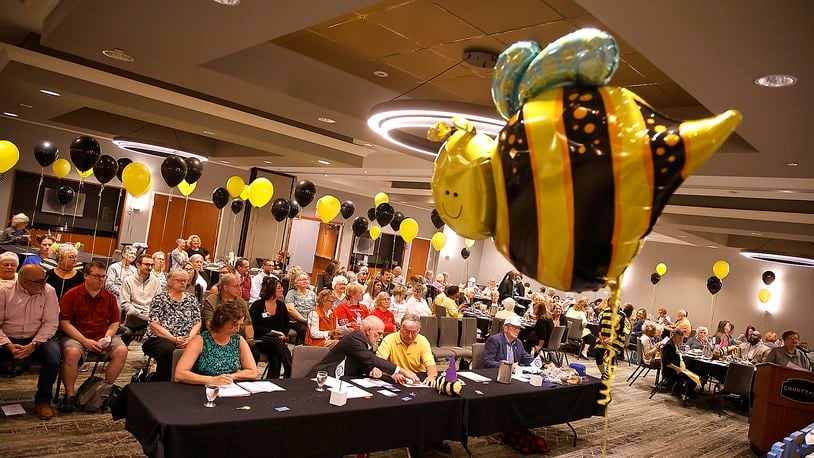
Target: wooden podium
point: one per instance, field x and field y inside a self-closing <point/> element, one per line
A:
<point x="784" y="403"/>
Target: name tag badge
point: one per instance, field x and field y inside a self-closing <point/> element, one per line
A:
<point x="265" y="314"/>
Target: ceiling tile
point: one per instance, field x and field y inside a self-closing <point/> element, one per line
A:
<point x="646" y="68"/>
<point x="568" y="8"/>
<point x="423" y="64"/>
<point x="456" y="50"/>
<point x="430" y="91"/>
<point x="474" y="89"/>
<point x="681" y="96"/>
<point x="380" y="6"/>
<point x="653" y="95"/>
<point x="494" y="16"/>
<point x="459" y="70"/>
<point x="626" y="76"/>
<point x="425" y="23"/>
<point x="369" y="38"/>
<point x="334" y="21"/>
<point x="543" y="34"/>
<point x="590" y="21"/>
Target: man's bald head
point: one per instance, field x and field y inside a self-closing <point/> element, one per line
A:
<point x="373" y="329"/>
<point x="31" y="278"/>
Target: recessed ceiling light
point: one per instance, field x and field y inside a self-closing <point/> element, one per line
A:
<point x="775" y="81"/>
<point x="327" y="120"/>
<point x="225" y="162"/>
<point x="118" y="54"/>
<point x="367" y="144"/>
<point x="25" y="105"/>
<point x="208" y="132"/>
<point x="756" y="233"/>
<point x="326" y="174"/>
<point x="682" y="236"/>
<point x="364" y="171"/>
<point x="785" y="191"/>
<point x="228" y="2"/>
<point x="711" y="246"/>
<point x="792" y="164"/>
<point x="50" y="92"/>
<point x="323" y="161"/>
<point x="381" y="74"/>
<point x="8" y="113"/>
<point x="267" y="162"/>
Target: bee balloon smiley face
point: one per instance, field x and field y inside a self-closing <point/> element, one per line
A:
<point x="579" y="174"/>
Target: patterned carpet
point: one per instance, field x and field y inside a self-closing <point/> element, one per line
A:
<point x="638" y="427"/>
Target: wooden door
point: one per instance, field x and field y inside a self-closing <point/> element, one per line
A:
<point x="201" y="218"/>
<point x="419" y="250"/>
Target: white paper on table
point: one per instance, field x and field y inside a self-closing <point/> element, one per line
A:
<point x="474" y="377"/>
<point x="369" y="382"/>
<point x="389" y="394"/>
<point x="232" y="391"/>
<point x="521" y="376"/>
<point x="260" y="387"/>
<point x="13" y="409"/>
<point x="352" y="391"/>
<point x="407" y="384"/>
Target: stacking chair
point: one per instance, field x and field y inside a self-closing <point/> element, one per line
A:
<point x="625" y="348"/>
<point x="497" y="323"/>
<point x="477" y="355"/>
<point x="563" y="346"/>
<point x="738" y="383"/>
<point x="552" y="346"/>
<point x="440" y="312"/>
<point x="575" y="332"/>
<point x="637" y="372"/>
<point x="176" y="356"/>
<point x="659" y="383"/>
<point x="429" y="329"/>
<point x="448" y="338"/>
<point x="304" y="358"/>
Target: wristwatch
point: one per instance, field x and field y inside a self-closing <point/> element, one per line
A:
<point x="35" y="345"/>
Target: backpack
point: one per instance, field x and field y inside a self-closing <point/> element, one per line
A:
<point x="525" y="442"/>
<point x="96" y="395"/>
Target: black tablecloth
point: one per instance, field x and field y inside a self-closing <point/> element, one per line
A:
<point x="520" y="405"/>
<point x="169" y="419"/>
<point x="706" y="368"/>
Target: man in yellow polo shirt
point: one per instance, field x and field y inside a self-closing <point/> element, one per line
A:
<point x="409" y="349"/>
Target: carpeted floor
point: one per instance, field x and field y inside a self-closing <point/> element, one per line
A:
<point x="638" y="426"/>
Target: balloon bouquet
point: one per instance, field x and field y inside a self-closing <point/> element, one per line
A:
<point x="579" y="174"/>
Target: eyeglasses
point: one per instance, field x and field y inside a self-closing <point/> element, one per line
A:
<point x="97" y="276"/>
<point x="159" y="259"/>
<point x="180" y="280"/>
<point x="148" y="264"/>
<point x="73" y="256"/>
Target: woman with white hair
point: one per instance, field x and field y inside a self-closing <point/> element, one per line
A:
<point x="8" y="267"/>
<point x="508" y="309"/>
<point x="64" y="276"/>
<point x="17" y="234"/>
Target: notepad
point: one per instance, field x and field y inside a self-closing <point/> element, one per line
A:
<point x="473" y="376"/>
<point x="260" y="387"/>
<point x="353" y="391"/>
<point x="232" y="391"/>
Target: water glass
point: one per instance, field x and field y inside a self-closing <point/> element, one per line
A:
<point x="211" y="395"/>
<point x="322" y="376"/>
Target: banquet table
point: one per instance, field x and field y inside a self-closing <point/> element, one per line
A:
<point x="169" y="419"/>
<point x="24" y="251"/>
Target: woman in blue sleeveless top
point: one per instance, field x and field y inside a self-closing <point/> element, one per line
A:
<point x="220" y="355"/>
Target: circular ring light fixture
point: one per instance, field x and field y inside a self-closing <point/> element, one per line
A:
<point x="778" y="258"/>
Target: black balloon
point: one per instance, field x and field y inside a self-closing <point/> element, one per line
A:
<point x="173" y="170"/>
<point x="279" y="209"/>
<point x="359" y="226"/>
<point x="45" y="153"/>
<point x="655" y="278"/>
<point x="384" y="214"/>
<point x="304" y="192"/>
<point x="220" y="197"/>
<point x="85" y="151"/>
<point x="105" y="169"/>
<point x="194" y="169"/>
<point x="465" y="252"/>
<point x="397" y="219"/>
<point x="65" y="195"/>
<point x="294" y="208"/>
<point x="237" y="206"/>
<point x="347" y="209"/>
<point x="714" y="284"/>
<point x="768" y="277"/>
<point x="123" y="162"/>
<point x="371" y="213"/>
<point x="436" y="219"/>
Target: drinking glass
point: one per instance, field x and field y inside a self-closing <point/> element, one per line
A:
<point x="322" y="376"/>
<point x="211" y="395"/>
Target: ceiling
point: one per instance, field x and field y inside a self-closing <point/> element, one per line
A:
<point x="248" y="84"/>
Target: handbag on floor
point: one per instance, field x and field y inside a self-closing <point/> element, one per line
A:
<point x="524" y="441"/>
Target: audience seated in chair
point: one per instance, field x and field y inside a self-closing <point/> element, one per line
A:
<point x="45" y="246"/>
<point x="579" y="311"/>
<point x="322" y="330"/>
<point x="8" y="268"/>
<point x="674" y="371"/>
<point x="417" y="303"/>
<point x="351" y="311"/>
<point x="29" y="335"/>
<point x="300" y="301"/>
<point x="137" y="294"/>
<point x="271" y="324"/>
<point x="219" y="355"/>
<point x="505" y="346"/>
<point x="64" y="275"/>
<point x="228" y="291"/>
<point x="409" y="349"/>
<point x="175" y="318"/>
<point x="89" y="318"/>
<point x="753" y="350"/>
<point x="507" y="310"/>
<point x="700" y="340"/>
<point x="650" y="344"/>
<point x="118" y="271"/>
<point x="381" y="309"/>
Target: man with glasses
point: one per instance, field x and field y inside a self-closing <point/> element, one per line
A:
<point x="8" y="268"/>
<point x="89" y="318"/>
<point x="229" y="291"/>
<point x="407" y="348"/>
<point x="137" y="293"/>
<point x="29" y="316"/>
<point x="505" y="346"/>
<point x="257" y="281"/>
<point x="159" y="269"/>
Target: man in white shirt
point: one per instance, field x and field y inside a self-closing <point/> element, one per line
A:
<point x="257" y="280"/>
<point x="137" y="293"/>
<point x="118" y="271"/>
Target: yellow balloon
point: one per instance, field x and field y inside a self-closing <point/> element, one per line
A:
<point x="764" y="295"/>
<point x="408" y="229"/>
<point x="244" y="194"/>
<point x="86" y="173"/>
<point x="439" y="240"/>
<point x="381" y="198"/>
<point x="469" y="243"/>
<point x="136" y="179"/>
<point x="235" y="186"/>
<point x="186" y="189"/>
<point x="328" y="208"/>
<point x="9" y="155"/>
<point x="661" y="268"/>
<point x="61" y="168"/>
<point x="260" y="192"/>
<point x="720" y="269"/>
<point x="375" y="232"/>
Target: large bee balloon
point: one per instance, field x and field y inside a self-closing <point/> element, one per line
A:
<point x="579" y="174"/>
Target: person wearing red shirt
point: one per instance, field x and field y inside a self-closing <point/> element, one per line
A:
<point x="381" y="309"/>
<point x="351" y="312"/>
<point x="242" y="269"/>
<point x="89" y="318"/>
